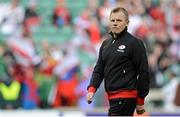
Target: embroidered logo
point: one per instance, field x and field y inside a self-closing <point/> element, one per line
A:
<point x="121" y="48"/>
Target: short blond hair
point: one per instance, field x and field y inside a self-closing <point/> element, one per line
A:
<point x="120" y="9"/>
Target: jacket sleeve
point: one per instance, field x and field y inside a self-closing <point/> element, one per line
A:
<point x="97" y="75"/>
<point x="141" y="65"/>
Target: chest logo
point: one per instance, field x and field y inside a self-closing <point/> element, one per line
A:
<point x="121" y="48"/>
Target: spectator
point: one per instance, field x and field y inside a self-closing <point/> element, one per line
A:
<point x="32" y="18"/>
<point x="61" y="15"/>
<point x="10" y="88"/>
<point x="94" y="32"/>
<point x="169" y="90"/>
<point x="66" y="73"/>
<point x="11" y="18"/>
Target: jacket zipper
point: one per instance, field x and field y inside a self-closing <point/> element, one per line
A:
<point x="113" y="41"/>
<point x="124" y="72"/>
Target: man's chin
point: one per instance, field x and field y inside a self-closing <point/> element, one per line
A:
<point x="116" y="32"/>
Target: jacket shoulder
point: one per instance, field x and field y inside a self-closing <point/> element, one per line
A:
<point x="106" y="41"/>
<point x="134" y="39"/>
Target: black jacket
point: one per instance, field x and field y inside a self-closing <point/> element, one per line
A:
<point x="123" y="65"/>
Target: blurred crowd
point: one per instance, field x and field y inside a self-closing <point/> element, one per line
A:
<point x="53" y="75"/>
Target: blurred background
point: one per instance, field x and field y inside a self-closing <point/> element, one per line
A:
<point x="48" y="49"/>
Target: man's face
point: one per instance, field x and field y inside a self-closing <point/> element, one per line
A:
<point x="118" y="22"/>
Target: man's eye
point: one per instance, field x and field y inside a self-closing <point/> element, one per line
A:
<point x="119" y="20"/>
<point x="112" y="20"/>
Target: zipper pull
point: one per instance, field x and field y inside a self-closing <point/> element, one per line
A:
<point x="113" y="41"/>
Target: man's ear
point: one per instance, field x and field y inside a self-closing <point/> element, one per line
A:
<point x="127" y="22"/>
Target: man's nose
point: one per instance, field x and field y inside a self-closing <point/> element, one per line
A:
<point x="114" y="24"/>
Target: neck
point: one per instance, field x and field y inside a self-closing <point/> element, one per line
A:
<point x="116" y="35"/>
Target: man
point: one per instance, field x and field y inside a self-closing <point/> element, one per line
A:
<point x="123" y="65"/>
